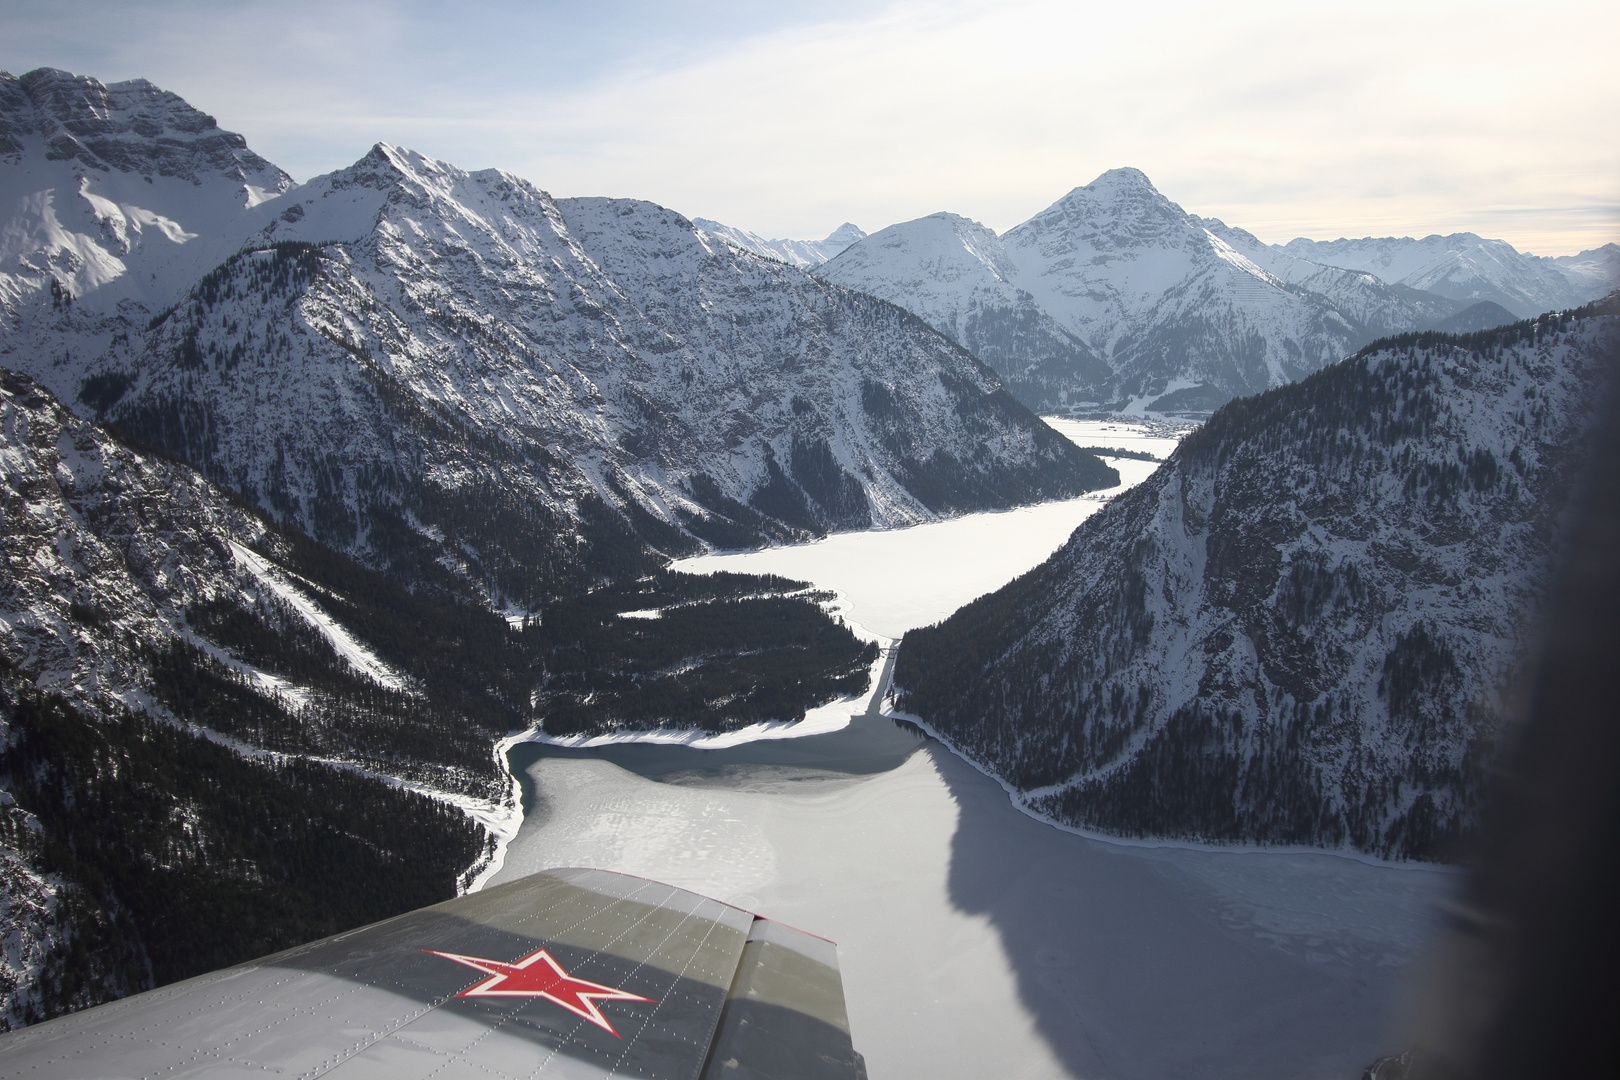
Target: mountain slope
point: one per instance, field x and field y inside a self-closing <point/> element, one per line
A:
<point x="117" y="193"/>
<point x="219" y="739"/>
<point x="1594" y="271"/>
<point x="1301" y="628"/>
<point x="154" y="637"/>
<point x="1464" y="266"/>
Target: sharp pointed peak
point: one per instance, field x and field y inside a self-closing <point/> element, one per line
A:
<point x="1122" y="181"/>
<point x="847" y="233"/>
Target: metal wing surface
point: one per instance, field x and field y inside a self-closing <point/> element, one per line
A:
<point x="567" y="974"/>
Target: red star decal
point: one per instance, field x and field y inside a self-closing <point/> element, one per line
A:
<point x="539" y="975"/>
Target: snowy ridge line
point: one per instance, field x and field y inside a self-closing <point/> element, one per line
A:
<point x="1014" y="796"/>
<point x="360" y="658"/>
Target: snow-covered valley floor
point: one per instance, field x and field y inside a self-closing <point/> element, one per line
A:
<point x="976" y="941"/>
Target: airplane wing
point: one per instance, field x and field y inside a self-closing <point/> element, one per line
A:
<point x="567" y="973"/>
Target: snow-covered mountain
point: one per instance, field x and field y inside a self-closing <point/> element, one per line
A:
<point x="477" y="373"/>
<point x="1115" y="296"/>
<point x="1594" y="271"/>
<point x="1302" y="629"/>
<point x="427" y="367"/>
<point x="804" y="254"/>
<point x="117" y="193"/>
<point x="1464" y="266"/>
<point x="955" y="275"/>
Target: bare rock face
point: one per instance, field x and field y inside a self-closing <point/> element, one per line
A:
<point x="1305" y="628"/>
<point x="131" y="127"/>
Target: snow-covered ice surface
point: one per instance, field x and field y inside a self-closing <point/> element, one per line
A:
<point x="896" y="579"/>
<point x="1155" y="439"/>
<point x="975" y="940"/>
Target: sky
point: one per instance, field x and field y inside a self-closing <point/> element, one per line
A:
<point x="789" y="117"/>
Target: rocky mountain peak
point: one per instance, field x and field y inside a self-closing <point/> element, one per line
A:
<point x="841" y="237"/>
<point x="131" y="127"/>
<point x="1120" y="209"/>
<point x="412" y="191"/>
<point x="386" y="167"/>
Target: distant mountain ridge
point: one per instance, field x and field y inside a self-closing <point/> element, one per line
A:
<point x="1304" y="628"/>
<point x="1464" y="266"/>
<point x="804" y="254"/>
<point x="956" y="275"/>
<point x="1115" y="298"/>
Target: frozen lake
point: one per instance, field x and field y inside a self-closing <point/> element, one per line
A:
<point x="901" y="578"/>
<point x="974" y="940"/>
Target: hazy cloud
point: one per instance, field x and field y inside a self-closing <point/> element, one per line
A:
<point x="788" y="118"/>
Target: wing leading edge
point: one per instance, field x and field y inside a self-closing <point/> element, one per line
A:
<point x="568" y="973"/>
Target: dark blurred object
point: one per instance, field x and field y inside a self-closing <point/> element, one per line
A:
<point x="1394" y="1067"/>
<point x="1528" y="982"/>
